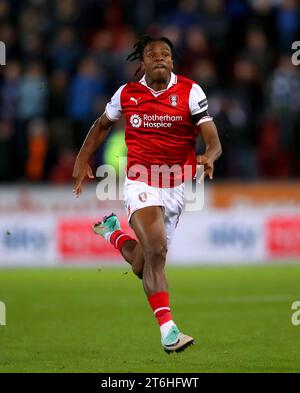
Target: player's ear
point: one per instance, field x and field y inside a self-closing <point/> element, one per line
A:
<point x="142" y="65"/>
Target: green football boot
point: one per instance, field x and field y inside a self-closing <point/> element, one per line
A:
<point x="107" y="226"/>
<point x="175" y="341"/>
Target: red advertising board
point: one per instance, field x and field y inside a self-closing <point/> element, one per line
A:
<point x="283" y="236"/>
<point x="76" y="241"/>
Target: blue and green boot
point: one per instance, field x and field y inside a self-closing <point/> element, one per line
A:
<point x="107" y="226"/>
<point x="175" y="341"/>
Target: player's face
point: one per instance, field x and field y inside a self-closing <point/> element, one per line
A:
<point x="157" y="60"/>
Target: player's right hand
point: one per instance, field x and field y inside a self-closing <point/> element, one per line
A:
<point x="80" y="171"/>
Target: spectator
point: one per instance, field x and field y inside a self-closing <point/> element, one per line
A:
<point x="66" y="13"/>
<point x="242" y="111"/>
<point x="65" y="58"/>
<point x="62" y="171"/>
<point x="5" y="12"/>
<point x="33" y="48"/>
<point x="61" y="129"/>
<point x="66" y="50"/>
<point x="204" y="72"/>
<point x="57" y="94"/>
<point x="174" y="34"/>
<point x="185" y="16"/>
<point x="215" y="22"/>
<point x="197" y="47"/>
<point x="120" y="59"/>
<point x="8" y="35"/>
<point x="6" y="151"/>
<point x="257" y="50"/>
<point x="274" y="160"/>
<point x="33" y="93"/>
<point x="37" y="150"/>
<point x="288" y="23"/>
<point x="101" y="49"/>
<point x="86" y="90"/>
<point x="10" y="91"/>
<point x="284" y="86"/>
<point x="283" y="97"/>
<point x="32" y="21"/>
<point x="264" y="16"/>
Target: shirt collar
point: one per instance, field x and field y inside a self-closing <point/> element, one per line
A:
<point x="173" y="81"/>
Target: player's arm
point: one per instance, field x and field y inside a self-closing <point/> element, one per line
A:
<point x="199" y="111"/>
<point x="213" y="148"/>
<point x="93" y="140"/>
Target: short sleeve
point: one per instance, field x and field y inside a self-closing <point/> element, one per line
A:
<point x="198" y="105"/>
<point x="198" y="100"/>
<point x="113" y="109"/>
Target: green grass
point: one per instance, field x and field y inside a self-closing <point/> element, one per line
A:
<point x="87" y="320"/>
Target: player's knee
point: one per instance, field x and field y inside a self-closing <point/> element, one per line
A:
<point x="138" y="271"/>
<point x="138" y="264"/>
<point x="155" y="254"/>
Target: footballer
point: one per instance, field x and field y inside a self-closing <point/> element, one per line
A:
<point x="164" y="113"/>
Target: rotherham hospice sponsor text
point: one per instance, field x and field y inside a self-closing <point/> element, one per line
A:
<point x="154" y="121"/>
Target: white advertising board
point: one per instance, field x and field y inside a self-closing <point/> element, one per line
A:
<point x="221" y="237"/>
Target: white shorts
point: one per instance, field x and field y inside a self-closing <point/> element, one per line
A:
<point x="138" y="195"/>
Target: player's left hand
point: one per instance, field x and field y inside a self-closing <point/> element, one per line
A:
<point x="208" y="166"/>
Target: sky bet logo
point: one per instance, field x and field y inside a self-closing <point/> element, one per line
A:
<point x="2" y="53"/>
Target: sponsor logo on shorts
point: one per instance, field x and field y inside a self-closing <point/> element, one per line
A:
<point x="143" y="196"/>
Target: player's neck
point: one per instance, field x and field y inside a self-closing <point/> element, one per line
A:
<point x="157" y="84"/>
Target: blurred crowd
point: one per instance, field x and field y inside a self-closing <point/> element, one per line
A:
<point x="65" y="58"/>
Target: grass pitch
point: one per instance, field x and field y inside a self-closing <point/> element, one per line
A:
<point x="98" y="320"/>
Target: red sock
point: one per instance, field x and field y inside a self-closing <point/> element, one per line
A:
<point x="159" y="303"/>
<point x="118" y="238"/>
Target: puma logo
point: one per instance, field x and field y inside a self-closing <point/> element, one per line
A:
<point x="135" y="100"/>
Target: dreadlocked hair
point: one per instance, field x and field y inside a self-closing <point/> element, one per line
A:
<point x="141" y="45"/>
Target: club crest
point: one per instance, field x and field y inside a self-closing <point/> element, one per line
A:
<point x="143" y="196"/>
<point x="174" y="100"/>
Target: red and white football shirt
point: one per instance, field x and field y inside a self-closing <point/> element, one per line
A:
<point x="161" y="127"/>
